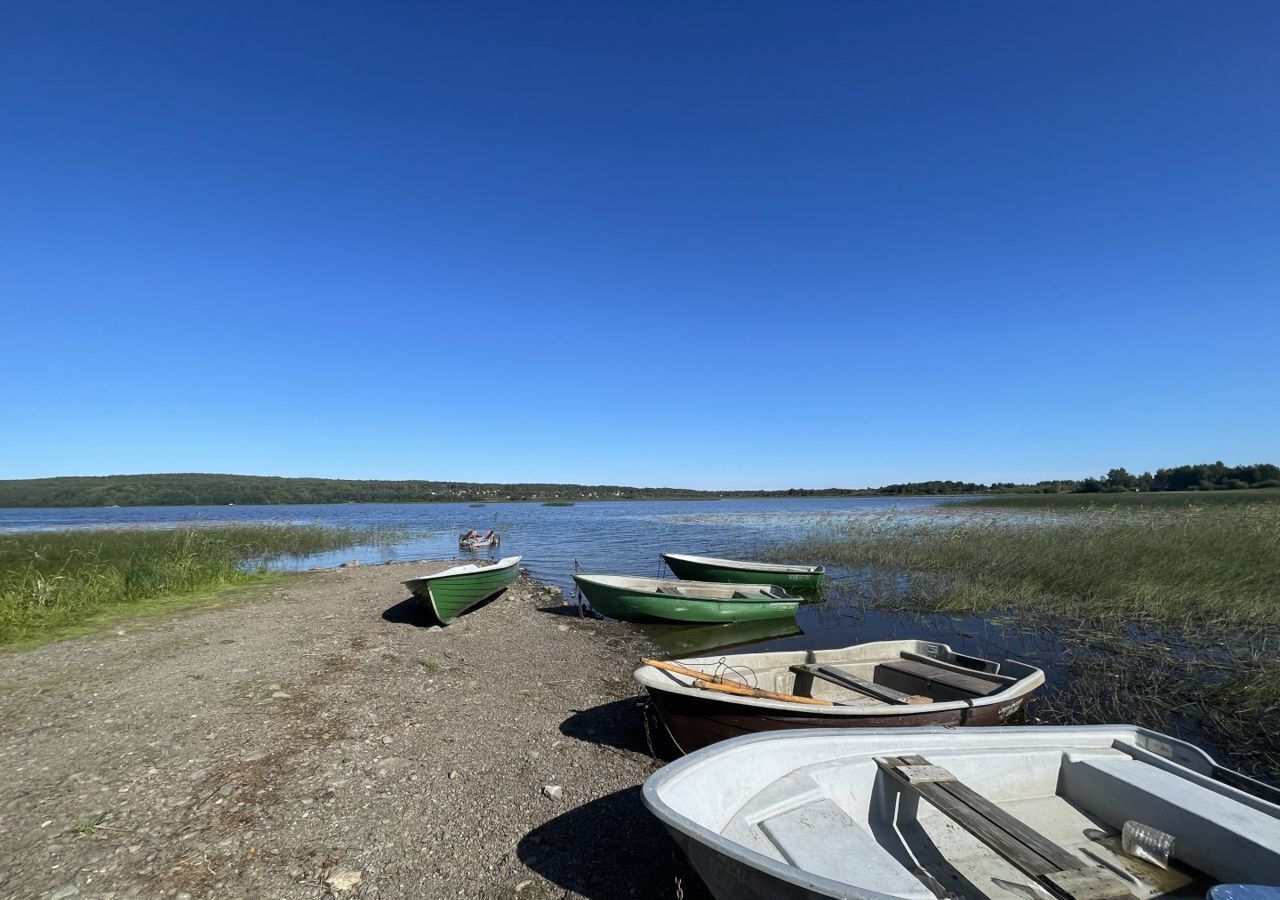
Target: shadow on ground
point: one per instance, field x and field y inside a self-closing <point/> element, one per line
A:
<point x="611" y="847"/>
<point x="620" y="724"/>
<point x="571" y="610"/>
<point x="410" y="611"/>
<point x="415" y="612"/>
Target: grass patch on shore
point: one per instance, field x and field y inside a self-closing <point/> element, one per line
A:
<point x="56" y="583"/>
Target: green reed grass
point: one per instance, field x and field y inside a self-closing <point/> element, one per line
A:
<point x="1215" y="564"/>
<point x="55" y="582"/>
<point x="1158" y="500"/>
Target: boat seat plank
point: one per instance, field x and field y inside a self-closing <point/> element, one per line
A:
<point x="963" y="670"/>
<point x="852" y="682"/>
<point x="819" y="837"/>
<point x="976" y="685"/>
<point x="1053" y="867"/>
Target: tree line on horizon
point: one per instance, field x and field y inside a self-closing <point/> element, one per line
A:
<point x="196" y="489"/>
<point x="1203" y="477"/>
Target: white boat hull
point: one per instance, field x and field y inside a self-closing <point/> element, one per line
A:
<point x="812" y="814"/>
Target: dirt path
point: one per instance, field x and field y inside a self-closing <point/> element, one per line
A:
<point x="319" y="740"/>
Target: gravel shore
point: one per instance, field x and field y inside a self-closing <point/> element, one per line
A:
<point x="320" y="739"/>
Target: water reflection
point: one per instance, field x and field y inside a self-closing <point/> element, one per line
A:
<point x="697" y="640"/>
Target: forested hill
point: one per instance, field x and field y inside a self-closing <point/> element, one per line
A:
<point x="220" y="490"/>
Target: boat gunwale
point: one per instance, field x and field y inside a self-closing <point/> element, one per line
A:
<point x="765" y="590"/>
<point x="655" y="679"/>
<point x="464" y="570"/>
<point x="715" y="562"/>
<point x="1130" y="735"/>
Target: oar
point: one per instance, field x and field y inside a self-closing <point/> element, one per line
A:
<point x="717" y="683"/>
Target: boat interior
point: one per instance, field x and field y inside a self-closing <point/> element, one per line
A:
<point x="1022" y="821"/>
<point x="466" y="569"/>
<point x="727" y="592"/>
<point x="873" y="675"/>
<point x="746" y="566"/>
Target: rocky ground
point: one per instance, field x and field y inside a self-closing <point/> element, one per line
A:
<point x="320" y="739"/>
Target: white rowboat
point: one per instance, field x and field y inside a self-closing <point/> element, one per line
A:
<point x="1001" y="813"/>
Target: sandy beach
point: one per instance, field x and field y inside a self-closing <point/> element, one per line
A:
<point x="321" y="739"/>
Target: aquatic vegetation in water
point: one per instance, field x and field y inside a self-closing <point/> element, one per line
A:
<point x="1197" y="564"/>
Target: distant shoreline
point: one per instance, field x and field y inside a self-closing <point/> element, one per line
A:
<point x="535" y="501"/>
<point x="211" y="489"/>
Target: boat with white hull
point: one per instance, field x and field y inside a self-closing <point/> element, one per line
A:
<point x="1007" y="813"/>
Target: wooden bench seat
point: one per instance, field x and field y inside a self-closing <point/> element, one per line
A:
<point x="1056" y="869"/>
<point x="917" y="677"/>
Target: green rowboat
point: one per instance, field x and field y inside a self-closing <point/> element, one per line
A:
<point x="731" y="571"/>
<point x="661" y="600"/>
<point x="454" y="591"/>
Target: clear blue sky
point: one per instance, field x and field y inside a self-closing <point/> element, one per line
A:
<point x="731" y="244"/>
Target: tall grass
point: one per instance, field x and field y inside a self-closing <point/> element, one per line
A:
<point x="1158" y="500"/>
<point x="53" y="581"/>
<point x="1206" y="564"/>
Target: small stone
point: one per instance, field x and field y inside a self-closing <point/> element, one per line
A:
<point x="281" y="695"/>
<point x="343" y="879"/>
<point x="433" y="628"/>
<point x="453" y="776"/>
<point x="67" y="890"/>
<point x="227" y="790"/>
<point x="552" y="791"/>
<point x="562" y="627"/>
<point x="393" y="765"/>
<point x="528" y="882"/>
<point x="46" y="823"/>
<point x="386" y="740"/>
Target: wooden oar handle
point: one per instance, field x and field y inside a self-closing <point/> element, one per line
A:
<point x="716" y="683"/>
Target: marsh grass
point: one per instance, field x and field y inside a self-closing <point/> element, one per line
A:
<point x="1194" y="565"/>
<point x="1157" y="500"/>
<point x="53" y="583"/>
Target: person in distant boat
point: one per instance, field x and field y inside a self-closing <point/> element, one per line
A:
<point x="488" y="534"/>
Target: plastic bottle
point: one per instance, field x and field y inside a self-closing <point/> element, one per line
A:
<point x="1147" y="843"/>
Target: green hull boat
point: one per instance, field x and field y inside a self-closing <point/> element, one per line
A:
<point x="454" y="591"/>
<point x="659" y="600"/>
<point x="731" y="571"/>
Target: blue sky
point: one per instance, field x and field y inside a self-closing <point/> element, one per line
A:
<point x="727" y="245"/>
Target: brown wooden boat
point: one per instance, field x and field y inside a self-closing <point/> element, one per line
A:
<point x="877" y="685"/>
